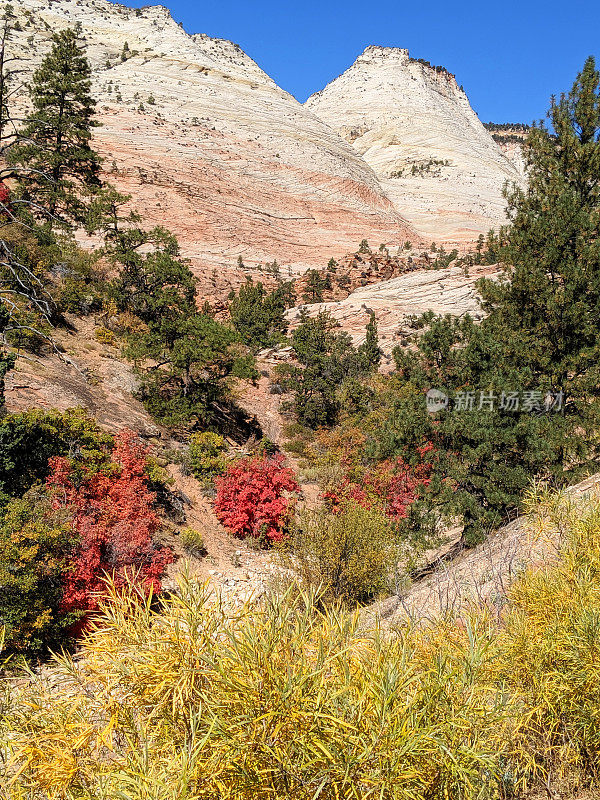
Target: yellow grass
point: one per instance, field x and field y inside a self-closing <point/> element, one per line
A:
<point x="290" y="699"/>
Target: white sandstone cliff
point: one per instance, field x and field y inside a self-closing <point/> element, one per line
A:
<point x="414" y="125"/>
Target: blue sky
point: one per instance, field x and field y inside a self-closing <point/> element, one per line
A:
<point x="510" y="56"/>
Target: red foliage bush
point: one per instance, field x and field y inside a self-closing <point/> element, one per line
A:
<point x="394" y="484"/>
<point x="251" y="497"/>
<point x="115" y="522"/>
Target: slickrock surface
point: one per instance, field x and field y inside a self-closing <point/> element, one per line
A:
<point x="459" y="577"/>
<point x="415" y="127"/>
<point x="88" y="374"/>
<point x="444" y="291"/>
<point x="211" y="147"/>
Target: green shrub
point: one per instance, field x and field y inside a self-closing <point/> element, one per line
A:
<point x="207" y="456"/>
<point x="353" y="553"/>
<point x="244" y="367"/>
<point x="28" y="439"/>
<point x="157" y="474"/>
<point x="82" y="288"/>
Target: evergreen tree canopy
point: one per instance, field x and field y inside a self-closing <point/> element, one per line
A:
<point x="184" y="356"/>
<point x="184" y="374"/>
<point x="369" y="350"/>
<point x="259" y="316"/>
<point x="315" y="284"/>
<point x="27" y="308"/>
<point x="547" y="309"/>
<point x="10" y="71"/>
<point x="156" y="286"/>
<point x="328" y="363"/>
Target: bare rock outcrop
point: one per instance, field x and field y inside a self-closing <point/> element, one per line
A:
<point x="210" y="146"/>
<point x="81" y="372"/>
<point x="457" y="578"/>
<point x="414" y="125"/>
<point x="357" y="270"/>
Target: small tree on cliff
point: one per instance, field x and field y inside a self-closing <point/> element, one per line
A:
<point x="369" y="350"/>
<point x="10" y="72"/>
<point x="313" y="293"/>
<point x="55" y="140"/>
<point x="326" y="362"/>
<point x="25" y="304"/>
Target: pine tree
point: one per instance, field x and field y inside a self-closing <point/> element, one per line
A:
<point x="259" y="316"/>
<point x="369" y="350"/>
<point x="55" y="148"/>
<point x="541" y="334"/>
<point x="549" y="305"/>
<point x="9" y="84"/>
<point x="326" y="361"/>
<point x="25" y="305"/>
<point x="313" y="292"/>
<point x="479" y="249"/>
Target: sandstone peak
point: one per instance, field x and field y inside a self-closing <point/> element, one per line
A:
<point x="414" y="125"/>
<point x="378" y="57"/>
<point x="374" y="51"/>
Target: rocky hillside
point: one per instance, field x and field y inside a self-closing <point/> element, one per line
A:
<point x="200" y="136"/>
<point x="208" y="144"/>
<point x="414" y="126"/>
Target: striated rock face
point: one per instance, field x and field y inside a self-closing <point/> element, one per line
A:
<point x="211" y="147"/>
<point x="414" y="125"/>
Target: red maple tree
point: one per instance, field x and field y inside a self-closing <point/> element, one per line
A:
<point x="114" y="520"/>
<point x="253" y="497"/>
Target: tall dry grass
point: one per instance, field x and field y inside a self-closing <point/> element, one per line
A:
<point x="291" y="699"/>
